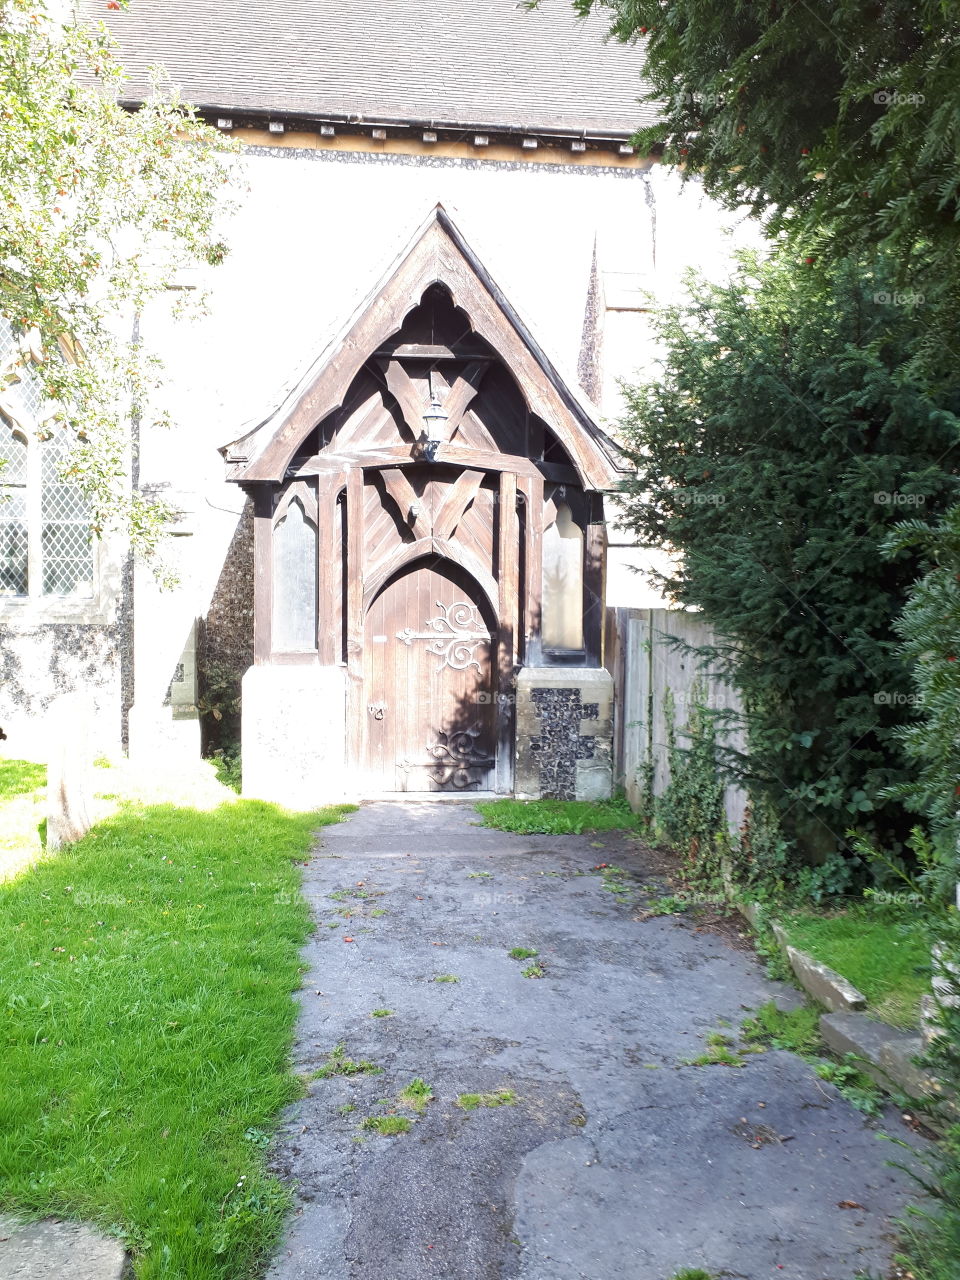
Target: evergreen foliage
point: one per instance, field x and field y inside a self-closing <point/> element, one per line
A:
<point x="930" y="629"/>
<point x="781" y="444"/>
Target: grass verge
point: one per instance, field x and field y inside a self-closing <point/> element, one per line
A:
<point x="147" y="979"/>
<point x="884" y="954"/>
<point x="559" y="817"/>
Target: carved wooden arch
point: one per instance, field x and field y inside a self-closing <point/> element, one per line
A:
<point x="439" y="255"/>
<point x="305" y="494"/>
<point x="421" y="549"/>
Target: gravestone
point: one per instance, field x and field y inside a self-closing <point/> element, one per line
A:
<point x="69" y="724"/>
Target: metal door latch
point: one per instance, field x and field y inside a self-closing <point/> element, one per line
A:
<point x="376" y="709"/>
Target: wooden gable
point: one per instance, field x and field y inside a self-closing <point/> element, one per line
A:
<point x="363" y="393"/>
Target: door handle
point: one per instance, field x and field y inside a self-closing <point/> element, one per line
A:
<point x="376" y="710"/>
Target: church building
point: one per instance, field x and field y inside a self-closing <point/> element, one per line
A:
<point x="394" y="454"/>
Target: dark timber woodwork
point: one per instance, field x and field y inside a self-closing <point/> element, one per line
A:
<point x="430" y="560"/>
<point x="438" y="254"/>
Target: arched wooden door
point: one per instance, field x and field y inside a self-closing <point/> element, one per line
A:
<point x="429" y="702"/>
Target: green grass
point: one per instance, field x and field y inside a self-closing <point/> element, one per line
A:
<point x="522" y="953"/>
<point x="446" y="977"/>
<point x="388" y="1126"/>
<point x="497" y="1098"/>
<point x="338" y="1064"/>
<point x="719" y="1053"/>
<point x="558" y="817"/>
<point x="416" y="1095"/>
<point x="382" y="1013"/>
<point x="797" y="1030"/>
<point x="146" y="994"/>
<point x="17" y="777"/>
<point x="882" y="952"/>
<point x="534" y="970"/>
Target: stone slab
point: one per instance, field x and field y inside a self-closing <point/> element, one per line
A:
<point x="293" y="733"/>
<point x="886" y="1052"/>
<point x="828" y="988"/>
<point x="52" y="1250"/>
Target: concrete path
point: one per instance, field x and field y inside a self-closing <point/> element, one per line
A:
<point x="616" y="1160"/>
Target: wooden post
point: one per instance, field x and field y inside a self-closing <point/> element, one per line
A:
<point x="263" y="573"/>
<point x="508" y="572"/>
<point x="594" y="558"/>
<point x="328" y="578"/>
<point x="353" y="603"/>
<point x="533" y="565"/>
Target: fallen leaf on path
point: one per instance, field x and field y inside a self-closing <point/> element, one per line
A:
<point x="850" y="1204"/>
<point x="348" y="939"/>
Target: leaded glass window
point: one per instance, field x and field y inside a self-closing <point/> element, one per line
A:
<point x="562" y="623"/>
<point x="13" y="514"/>
<point x="295" y="581"/>
<point x="45" y="541"/>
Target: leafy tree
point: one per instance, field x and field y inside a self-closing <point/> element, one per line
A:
<point x="100" y="208"/>
<point x="781" y="444"/>
<point x="930" y="629"/>
<point x="837" y="119"/>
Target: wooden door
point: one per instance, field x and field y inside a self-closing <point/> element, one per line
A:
<point x="429" y="703"/>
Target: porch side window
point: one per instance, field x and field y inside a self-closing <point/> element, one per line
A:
<point x="295" y="581"/>
<point x="562" y="622"/>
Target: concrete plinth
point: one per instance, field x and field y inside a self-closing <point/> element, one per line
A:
<point x="293" y="731"/>
<point x="564" y="733"/>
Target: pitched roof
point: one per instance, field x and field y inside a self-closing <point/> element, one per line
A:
<point x="484" y="63"/>
<point x="438" y="253"/>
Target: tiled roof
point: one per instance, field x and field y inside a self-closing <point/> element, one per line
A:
<point x="476" y="63"/>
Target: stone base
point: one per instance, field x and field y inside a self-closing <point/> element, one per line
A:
<point x="163" y="734"/>
<point x="293" y="734"/>
<point x="564" y="734"/>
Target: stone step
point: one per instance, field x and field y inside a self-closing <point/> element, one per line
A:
<point x="54" y="1250"/>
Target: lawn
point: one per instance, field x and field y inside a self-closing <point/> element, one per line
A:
<point x="146" y="984"/>
<point x="559" y="817"/>
<point x="22" y="811"/>
<point x="883" y="952"/>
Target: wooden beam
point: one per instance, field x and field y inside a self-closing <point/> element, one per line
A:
<point x="331" y="559"/>
<point x="429" y="351"/>
<point x="404" y="456"/>
<point x="532" y="488"/>
<point x="460" y="495"/>
<point x="507" y="656"/>
<point x="460" y="395"/>
<point x="594" y="564"/>
<point x="262" y="574"/>
<point x="407" y="395"/>
<point x="353" y="604"/>
<point x="406" y="501"/>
